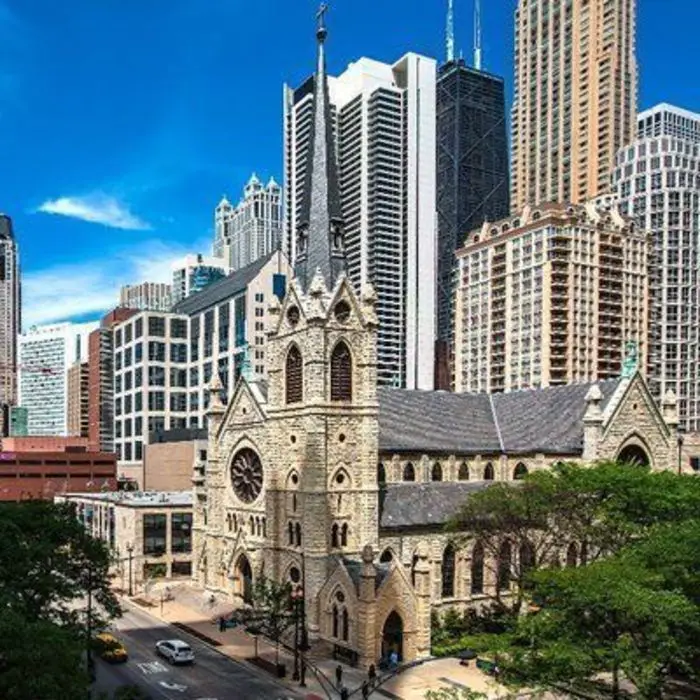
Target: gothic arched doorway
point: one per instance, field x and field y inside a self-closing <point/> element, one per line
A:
<point x="392" y="636"/>
<point x="635" y="455"/>
<point x="244" y="579"/>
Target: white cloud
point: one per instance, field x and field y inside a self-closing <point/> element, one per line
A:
<point x="97" y="208"/>
<point x="91" y="287"/>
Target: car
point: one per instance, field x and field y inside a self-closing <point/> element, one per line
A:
<point x="110" y="649"/>
<point x="175" y="651"/>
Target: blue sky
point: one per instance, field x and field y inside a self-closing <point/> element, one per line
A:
<point x="123" y="121"/>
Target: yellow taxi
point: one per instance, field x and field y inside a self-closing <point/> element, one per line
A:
<point x="109" y="648"/>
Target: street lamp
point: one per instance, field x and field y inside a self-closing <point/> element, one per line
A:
<point x="130" y="550"/>
<point x="297" y="600"/>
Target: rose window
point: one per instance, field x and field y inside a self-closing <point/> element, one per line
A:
<point x="246" y="475"/>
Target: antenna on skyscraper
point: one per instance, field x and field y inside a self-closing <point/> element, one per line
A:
<point x="450" y="33"/>
<point x="477" y="34"/>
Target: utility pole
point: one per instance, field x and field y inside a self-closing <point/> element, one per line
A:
<point x="130" y="549"/>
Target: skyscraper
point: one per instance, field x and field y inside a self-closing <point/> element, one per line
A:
<point x="657" y="181"/>
<point x="10" y="314"/>
<point x="383" y="119"/>
<point x="194" y="272"/>
<point x="472" y="176"/>
<point x="550" y="297"/>
<point x="46" y="354"/>
<point x="252" y="229"/>
<point x="575" y="99"/>
<point x="146" y="296"/>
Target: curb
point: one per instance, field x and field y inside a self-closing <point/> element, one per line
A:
<point x="206" y="640"/>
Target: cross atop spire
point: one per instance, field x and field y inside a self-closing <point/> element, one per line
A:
<point x="320" y="231"/>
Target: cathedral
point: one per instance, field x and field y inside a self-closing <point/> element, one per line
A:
<point x="318" y="477"/>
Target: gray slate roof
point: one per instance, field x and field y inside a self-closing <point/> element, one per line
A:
<point x="219" y="291"/>
<point x="549" y="421"/>
<point x="354" y="569"/>
<point x="412" y="504"/>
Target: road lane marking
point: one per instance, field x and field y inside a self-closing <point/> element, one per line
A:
<point x="152" y="667"/>
<point x="173" y="686"/>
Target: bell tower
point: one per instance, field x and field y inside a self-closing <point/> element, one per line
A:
<point x="322" y="375"/>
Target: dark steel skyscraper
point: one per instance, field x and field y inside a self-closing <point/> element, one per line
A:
<point x="472" y="177"/>
<point x="10" y="318"/>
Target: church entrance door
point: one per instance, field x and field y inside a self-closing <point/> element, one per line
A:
<point x="244" y="579"/>
<point x="392" y="636"/>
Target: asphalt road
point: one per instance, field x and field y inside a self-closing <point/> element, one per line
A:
<point x="213" y="676"/>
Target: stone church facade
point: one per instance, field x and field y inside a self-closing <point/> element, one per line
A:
<point x="317" y="477"/>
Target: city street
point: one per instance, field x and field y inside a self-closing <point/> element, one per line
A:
<point x="212" y="677"/>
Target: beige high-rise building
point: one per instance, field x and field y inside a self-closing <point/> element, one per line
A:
<point x="78" y="392"/>
<point x="575" y="99"/>
<point x="550" y="297"/>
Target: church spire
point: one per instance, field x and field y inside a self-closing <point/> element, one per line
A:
<point x="320" y="232"/>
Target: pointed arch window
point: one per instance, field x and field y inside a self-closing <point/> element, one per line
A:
<point x="346" y="624"/>
<point x="341" y="373"/>
<point x="504" y="563"/>
<point x="520" y="471"/>
<point x="414" y="564"/>
<point x="336" y="621"/>
<point x="297" y="535"/>
<point x="477" y="569"/>
<point x="294" y="379"/>
<point x="488" y="472"/>
<point x="290" y="533"/>
<point x="381" y="474"/>
<point x="344" y="535"/>
<point x="334" y="535"/>
<point x="409" y="472"/>
<point x="436" y="473"/>
<point x="463" y="474"/>
<point x="448" y="572"/>
<point x="527" y="561"/>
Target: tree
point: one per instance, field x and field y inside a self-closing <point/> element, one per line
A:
<point x="48" y="562"/>
<point x="612" y="616"/>
<point x="272" y="611"/>
<point x="39" y="660"/>
<point x="454" y="694"/>
<point x="528" y="525"/>
<point x="49" y="565"/>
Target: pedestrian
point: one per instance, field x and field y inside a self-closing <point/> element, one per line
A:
<point x="338" y="675"/>
<point x="394" y="659"/>
<point x="372" y="675"/>
<point x="344" y="693"/>
<point x="365" y="690"/>
<point x="222" y="624"/>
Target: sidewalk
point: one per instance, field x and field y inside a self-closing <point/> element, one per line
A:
<point x="192" y="608"/>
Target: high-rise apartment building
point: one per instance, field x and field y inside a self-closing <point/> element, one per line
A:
<point x="657" y="179"/>
<point x="10" y="315"/>
<point x="46" y="353"/>
<point x="194" y="272"/>
<point x="146" y="296"/>
<point x="77" y="408"/>
<point x="101" y="380"/>
<point x="227" y="325"/>
<point x="252" y="229"/>
<point x="472" y="177"/>
<point x="384" y="120"/>
<point x="575" y="98"/>
<point x="552" y="296"/>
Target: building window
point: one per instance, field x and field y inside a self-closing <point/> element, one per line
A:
<point x="154" y="534"/>
<point x="156" y="376"/>
<point x="335" y="541"/>
<point x="381" y="474"/>
<point x="488" y="472"/>
<point x="477" y="573"/>
<point x="436" y="473"/>
<point x="178" y="352"/>
<point x="336" y="621"/>
<point x="463" y="472"/>
<point x="138" y="352"/>
<point x="520" y="471"/>
<point x="448" y="572"/>
<point x="344" y="535"/>
<point x="178" y="402"/>
<point x="290" y="534"/>
<point x="209" y="333"/>
<point x="181" y="532"/>
<point x="138" y="328"/>
<point x="504" y="565"/>
<point x="178" y="328"/>
<point x="151" y="570"/>
<point x="156" y="351"/>
<point x="156" y="401"/>
<point x="156" y="326"/>
<point x="297" y="535"/>
<point x="194" y="339"/>
<point x="409" y="472"/>
<point x="138" y="449"/>
<point x="181" y="568"/>
<point x="294" y="379"/>
<point x="341" y="373"/>
<point x="345" y="626"/>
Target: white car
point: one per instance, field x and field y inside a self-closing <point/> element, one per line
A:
<point x="175" y="651"/>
